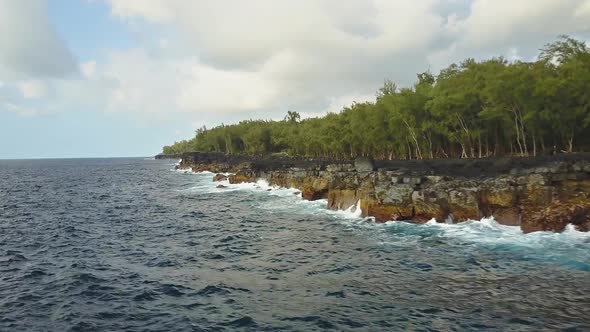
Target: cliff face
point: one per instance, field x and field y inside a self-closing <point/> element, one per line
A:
<point x="162" y="156"/>
<point x="537" y="194"/>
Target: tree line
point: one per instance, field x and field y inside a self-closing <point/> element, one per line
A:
<point x="474" y="109"/>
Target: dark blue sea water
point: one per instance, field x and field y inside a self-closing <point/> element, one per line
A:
<point x="128" y="244"/>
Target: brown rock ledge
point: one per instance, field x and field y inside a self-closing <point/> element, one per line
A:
<point x="537" y="194"/>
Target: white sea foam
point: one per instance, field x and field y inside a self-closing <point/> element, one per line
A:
<point x="288" y="200"/>
<point x="188" y="170"/>
<point x="486" y="230"/>
<point x="353" y="213"/>
<point x="176" y="165"/>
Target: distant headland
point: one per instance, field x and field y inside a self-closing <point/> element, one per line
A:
<point x="535" y="193"/>
<point x="480" y="139"/>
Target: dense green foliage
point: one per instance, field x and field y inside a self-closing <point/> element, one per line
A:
<point x="473" y="109"/>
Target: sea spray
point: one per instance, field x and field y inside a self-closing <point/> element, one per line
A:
<point x="484" y="231"/>
<point x="149" y="252"/>
<point x="354" y="211"/>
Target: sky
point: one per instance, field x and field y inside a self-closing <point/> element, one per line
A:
<point x="116" y="78"/>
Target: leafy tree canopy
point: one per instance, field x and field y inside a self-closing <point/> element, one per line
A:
<point x="472" y="109"/>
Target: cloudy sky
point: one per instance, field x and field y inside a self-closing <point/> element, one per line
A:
<point x="89" y="78"/>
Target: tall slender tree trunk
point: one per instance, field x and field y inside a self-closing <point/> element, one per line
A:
<point x="479" y="144"/>
<point x="497" y="143"/>
<point x="534" y="144"/>
<point x="413" y="134"/>
<point x="429" y="141"/>
<point x="468" y="145"/>
<point x="463" y="152"/>
<point x="523" y="133"/>
<point x="517" y="131"/>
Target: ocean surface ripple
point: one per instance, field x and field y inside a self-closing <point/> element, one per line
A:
<point x="128" y="244"/>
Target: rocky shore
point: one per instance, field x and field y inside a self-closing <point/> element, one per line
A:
<point x="162" y="156"/>
<point x="538" y="194"/>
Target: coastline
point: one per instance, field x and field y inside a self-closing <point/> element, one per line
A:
<point x="537" y="193"/>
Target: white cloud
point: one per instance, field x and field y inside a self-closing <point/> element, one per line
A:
<point x="29" y="44"/>
<point x="305" y="55"/>
<point x="211" y="61"/>
<point x="32" y="89"/>
<point x="88" y="69"/>
<point x="235" y="33"/>
<point x="153" y="10"/>
<point x="583" y="11"/>
<point x="33" y="58"/>
<point x="208" y="88"/>
<point x="140" y="84"/>
<point x="337" y="104"/>
<point x="20" y="110"/>
<point x="494" y="23"/>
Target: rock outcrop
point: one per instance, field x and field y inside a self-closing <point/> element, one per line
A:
<point x="219" y="177"/>
<point x="162" y="156"/>
<point x="557" y="216"/>
<point x="537" y="194"/>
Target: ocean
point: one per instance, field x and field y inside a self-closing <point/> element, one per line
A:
<point x="133" y="245"/>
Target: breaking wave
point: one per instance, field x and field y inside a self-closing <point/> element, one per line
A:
<point x="137" y="247"/>
<point x="481" y="232"/>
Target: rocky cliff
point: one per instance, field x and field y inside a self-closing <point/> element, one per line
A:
<point x="537" y="194"/>
<point x="167" y="156"/>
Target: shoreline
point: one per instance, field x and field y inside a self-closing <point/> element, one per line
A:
<point x="536" y="193"/>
